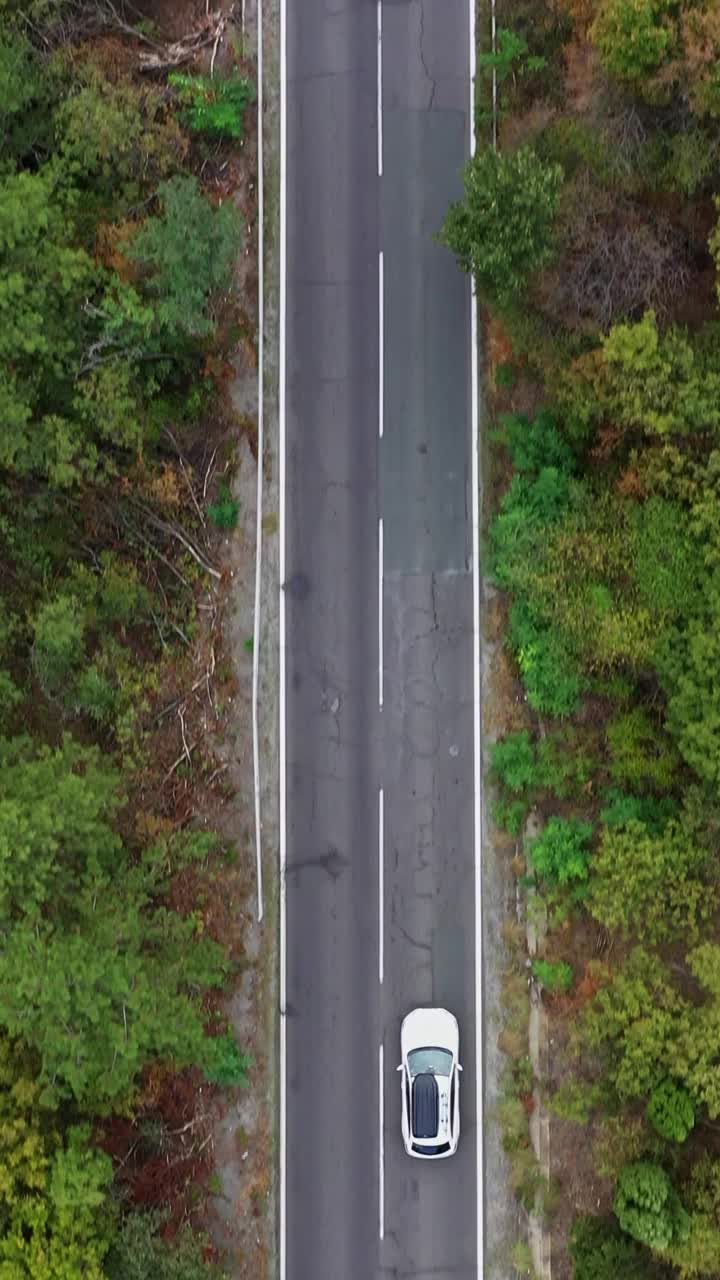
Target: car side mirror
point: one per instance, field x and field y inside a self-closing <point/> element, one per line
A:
<point x="458" y="1066"/>
<point x="400" y="1067"/>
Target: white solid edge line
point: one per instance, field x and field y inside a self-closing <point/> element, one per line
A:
<point x="380" y="611"/>
<point x="381" y="1159"/>
<point x="381" y="343"/>
<point x="260" y="468"/>
<point x="381" y="884"/>
<point x="379" y="88"/>
<point x="281" y="656"/>
<point x="477" y="737"/>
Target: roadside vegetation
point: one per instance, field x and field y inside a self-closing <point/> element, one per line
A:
<point x="593" y="235"/>
<point x="118" y="234"/>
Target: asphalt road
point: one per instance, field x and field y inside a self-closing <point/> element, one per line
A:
<point x="356" y="1205"/>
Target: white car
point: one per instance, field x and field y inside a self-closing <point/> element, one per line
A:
<point x="430" y="1083"/>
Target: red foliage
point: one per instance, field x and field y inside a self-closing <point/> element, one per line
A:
<point x="162" y="1155"/>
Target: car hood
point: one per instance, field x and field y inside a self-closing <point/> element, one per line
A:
<point x="429" y="1028"/>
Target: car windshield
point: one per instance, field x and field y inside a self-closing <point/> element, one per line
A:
<point x="437" y="1061"/>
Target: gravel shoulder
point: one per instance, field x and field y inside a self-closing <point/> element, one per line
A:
<point x="242" y="1218"/>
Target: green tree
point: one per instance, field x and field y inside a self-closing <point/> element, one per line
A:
<point x="688" y="663"/>
<point x="44" y="281"/>
<point x="113" y="136"/>
<point x="139" y="1252"/>
<point x="652" y="884"/>
<point x="671" y="1111"/>
<point x="187" y="253"/>
<point x="647" y="1206"/>
<point x="26" y="90"/>
<point x="699" y="1253"/>
<point x="502" y="231"/>
<point x="692" y="1053"/>
<point x="643" y="380"/>
<point x="59" y="643"/>
<point x="55" y="1219"/>
<point x="634" y="36"/>
<point x="637" y="1021"/>
<point x="56" y="827"/>
<point x="511" y="57"/>
<point x="600" y="1251"/>
<point x="94" y="973"/>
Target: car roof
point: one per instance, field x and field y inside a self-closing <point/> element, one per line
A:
<point x="425" y="1106"/>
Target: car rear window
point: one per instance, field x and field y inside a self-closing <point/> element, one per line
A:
<point x="431" y="1151"/>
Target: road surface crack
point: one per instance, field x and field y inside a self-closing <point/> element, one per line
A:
<point x="433" y="83"/>
<point x="421" y="946"/>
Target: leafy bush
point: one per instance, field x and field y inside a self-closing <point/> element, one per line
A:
<point x="666" y="562"/>
<point x="564" y="764"/>
<point x="506" y="375"/>
<point x="511" y="56"/>
<point x="671" y="1111"/>
<point x="576" y="145"/>
<point x="510" y="815"/>
<point x="554" y="975"/>
<point x="537" y="443"/>
<point x="211" y="106"/>
<point x="549" y="671"/>
<point x="502" y="231"/>
<point x="59" y="643"/>
<point x="576" y="1100"/>
<point x="223" y="1063"/>
<point x="622" y="807"/>
<point x="95" y="695"/>
<point x="560" y="855"/>
<point x="647" y="1206"/>
<point x="512" y="761"/>
<point x="640" y="753"/>
<point x="224" y="512"/>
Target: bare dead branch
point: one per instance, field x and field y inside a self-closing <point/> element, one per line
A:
<point x="174" y="531"/>
<point x="181" y="716"/>
<point x="176" y="763"/>
<point x="208" y="473"/>
<point x="173" y="55"/>
<point x="186" y="476"/>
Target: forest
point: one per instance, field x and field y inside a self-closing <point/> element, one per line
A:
<point x="120" y="224"/>
<point x="593" y="235"/>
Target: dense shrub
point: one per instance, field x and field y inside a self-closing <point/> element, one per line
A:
<point x="553" y="975"/>
<point x="671" y="1111"/>
<point x="213" y="106"/>
<point x="647" y="1206"/>
<point x="560" y="855"/>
